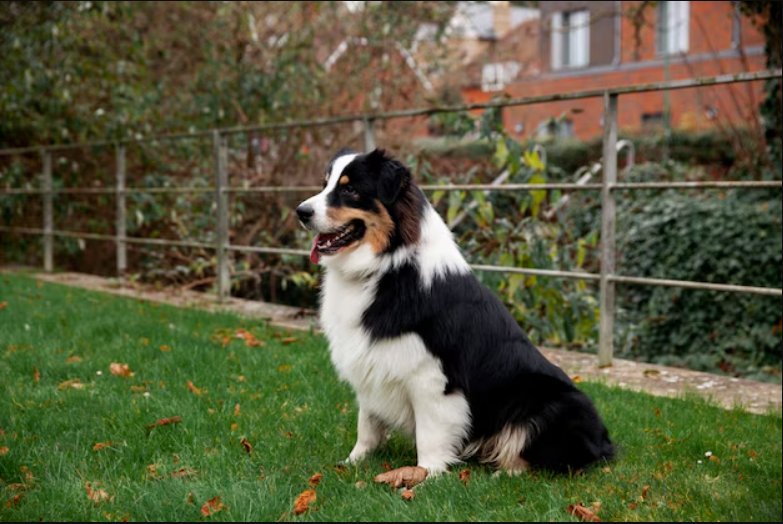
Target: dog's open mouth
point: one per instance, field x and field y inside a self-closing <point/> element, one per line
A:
<point x="325" y="244"/>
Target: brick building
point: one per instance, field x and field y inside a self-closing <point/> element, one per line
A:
<point x="582" y="45"/>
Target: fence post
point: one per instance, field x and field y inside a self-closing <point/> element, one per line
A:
<point x="369" y="135"/>
<point x="608" y="221"/>
<point x="122" y="255"/>
<point x="48" y="216"/>
<point x="221" y="237"/>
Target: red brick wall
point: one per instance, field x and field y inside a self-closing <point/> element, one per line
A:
<point x="711" y="26"/>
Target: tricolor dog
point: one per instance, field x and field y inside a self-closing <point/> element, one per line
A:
<point x="428" y="349"/>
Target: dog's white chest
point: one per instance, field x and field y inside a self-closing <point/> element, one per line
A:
<point x="385" y="374"/>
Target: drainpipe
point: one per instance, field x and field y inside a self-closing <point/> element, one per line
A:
<point x="617" y="30"/>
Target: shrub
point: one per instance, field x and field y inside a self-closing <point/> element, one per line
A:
<point x="726" y="240"/>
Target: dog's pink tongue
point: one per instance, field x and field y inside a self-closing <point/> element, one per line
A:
<point x="315" y="256"/>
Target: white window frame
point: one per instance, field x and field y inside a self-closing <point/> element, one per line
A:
<point x="672" y="31"/>
<point x="496" y="75"/>
<point x="570" y="39"/>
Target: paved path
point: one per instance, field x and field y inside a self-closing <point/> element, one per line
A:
<point x="756" y="397"/>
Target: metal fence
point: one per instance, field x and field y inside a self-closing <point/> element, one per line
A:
<point x="608" y="189"/>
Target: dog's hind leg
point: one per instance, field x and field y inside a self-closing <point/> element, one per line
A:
<point x="371" y="433"/>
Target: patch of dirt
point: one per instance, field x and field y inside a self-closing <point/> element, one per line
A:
<point x="728" y="392"/>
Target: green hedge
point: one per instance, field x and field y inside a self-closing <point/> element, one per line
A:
<point x="729" y="240"/>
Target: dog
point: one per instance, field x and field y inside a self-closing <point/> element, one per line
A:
<point x="427" y="348"/>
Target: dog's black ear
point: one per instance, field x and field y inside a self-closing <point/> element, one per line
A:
<point x="392" y="175"/>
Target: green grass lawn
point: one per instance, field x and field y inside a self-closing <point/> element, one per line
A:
<point x="285" y="400"/>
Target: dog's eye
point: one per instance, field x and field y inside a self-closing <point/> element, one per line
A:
<point x="348" y="189"/>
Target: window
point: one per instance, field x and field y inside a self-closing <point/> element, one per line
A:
<point x="552" y="127"/>
<point x="652" y="121"/>
<point x="671" y="30"/>
<point x="570" y="39"/>
<point x="496" y="75"/>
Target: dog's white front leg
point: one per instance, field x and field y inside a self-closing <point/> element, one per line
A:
<point x="371" y="433"/>
<point x="442" y="423"/>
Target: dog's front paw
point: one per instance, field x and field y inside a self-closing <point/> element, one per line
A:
<point x="407" y="476"/>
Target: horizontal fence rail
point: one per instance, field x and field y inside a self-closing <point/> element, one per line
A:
<point x="221" y="191"/>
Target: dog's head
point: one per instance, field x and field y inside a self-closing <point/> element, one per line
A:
<point x="369" y="200"/>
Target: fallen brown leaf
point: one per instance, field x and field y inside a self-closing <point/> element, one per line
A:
<point x="184" y="473"/>
<point x="577" y="379"/>
<point x="464" y="476"/>
<point x="407" y="476"/>
<point x="213" y="505"/>
<point x="361" y="484"/>
<point x="100" y="445"/>
<point x="3" y="450"/>
<point x="165" y="422"/>
<point x="71" y="384"/>
<point x="3" y="305"/>
<point x="408" y="494"/>
<point x="193" y="388"/>
<point x="14" y="500"/>
<point x="36" y="374"/>
<point x="190" y="499"/>
<point x="316" y="479"/>
<point x="645" y="492"/>
<point x="165" y="348"/>
<point x="234" y="426"/>
<point x="340" y="469"/>
<point x="73" y="358"/>
<point x="249" y="338"/>
<point x="121" y="370"/>
<point x="245" y="444"/>
<point x="237" y="410"/>
<point x="302" y="503"/>
<point x="580" y="511"/>
<point x="289" y="340"/>
<point x="386" y="467"/>
<point x="97" y="496"/>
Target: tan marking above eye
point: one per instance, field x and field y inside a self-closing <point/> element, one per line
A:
<point x="344" y="180"/>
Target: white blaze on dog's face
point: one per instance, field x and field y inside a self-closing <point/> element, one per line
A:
<point x="366" y="201"/>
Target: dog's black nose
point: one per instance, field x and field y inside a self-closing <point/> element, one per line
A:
<point x="305" y="212"/>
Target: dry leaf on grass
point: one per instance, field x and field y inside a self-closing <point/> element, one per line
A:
<point x="407" y="476"/>
<point x="97" y="496"/>
<point x="36" y="374"/>
<point x="71" y="384"/>
<point x="100" y="445"/>
<point x="408" y="494"/>
<point x="3" y="450"/>
<point x="289" y="340"/>
<point x="193" y="388"/>
<point x="302" y="503"/>
<point x="190" y="500"/>
<point x="645" y="492"/>
<point x="245" y="444"/>
<point x="249" y="338"/>
<point x="14" y="500"/>
<point x="386" y="467"/>
<point x="73" y="358"/>
<point x="237" y="410"/>
<point x="121" y="370"/>
<point x="316" y="479"/>
<point x="184" y="473"/>
<point x="580" y="511"/>
<point x="213" y="505"/>
<point x="3" y="305"/>
<point x="165" y="422"/>
<point x="464" y="476"/>
<point x="165" y="348"/>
